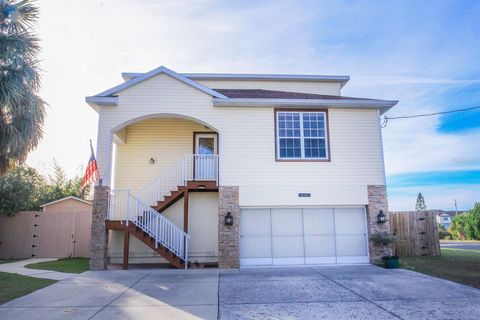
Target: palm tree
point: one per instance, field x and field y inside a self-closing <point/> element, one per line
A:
<point x="22" y="111"/>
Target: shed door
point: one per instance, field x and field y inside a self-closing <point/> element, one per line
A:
<point x="281" y="236"/>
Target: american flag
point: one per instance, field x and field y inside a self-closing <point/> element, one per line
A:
<point x="91" y="173"/>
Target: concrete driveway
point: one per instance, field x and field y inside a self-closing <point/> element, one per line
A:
<point x="347" y="292"/>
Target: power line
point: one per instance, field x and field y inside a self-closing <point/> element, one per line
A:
<point x="385" y="118"/>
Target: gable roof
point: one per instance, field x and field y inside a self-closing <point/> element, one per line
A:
<point x="64" y="199"/>
<point x="255" y="77"/>
<point x="107" y="97"/>
<point x="249" y="97"/>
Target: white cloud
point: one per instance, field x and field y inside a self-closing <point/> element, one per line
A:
<point x="392" y="50"/>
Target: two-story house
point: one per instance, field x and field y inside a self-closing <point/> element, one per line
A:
<point x="237" y="169"/>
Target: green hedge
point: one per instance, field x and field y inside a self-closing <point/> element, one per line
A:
<point x="466" y="226"/>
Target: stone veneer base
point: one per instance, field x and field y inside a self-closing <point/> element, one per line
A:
<point x="99" y="235"/>
<point x="228" y="236"/>
<point x="377" y="200"/>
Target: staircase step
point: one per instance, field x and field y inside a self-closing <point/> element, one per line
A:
<point x="170" y="256"/>
<point x="169" y="200"/>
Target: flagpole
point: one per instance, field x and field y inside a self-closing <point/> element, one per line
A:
<point x="100" y="181"/>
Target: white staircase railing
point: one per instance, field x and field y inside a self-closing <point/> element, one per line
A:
<point x="125" y="206"/>
<point x="192" y="167"/>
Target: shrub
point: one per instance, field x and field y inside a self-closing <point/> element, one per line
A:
<point x="466" y="226"/>
<point x="458" y="226"/>
<point x="382" y="238"/>
<point x="444" y="233"/>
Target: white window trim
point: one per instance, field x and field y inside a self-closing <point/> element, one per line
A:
<point x="302" y="138"/>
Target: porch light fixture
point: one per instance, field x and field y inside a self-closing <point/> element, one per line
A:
<point x="229" y="219"/>
<point x="152" y="161"/>
<point x="381" y="217"/>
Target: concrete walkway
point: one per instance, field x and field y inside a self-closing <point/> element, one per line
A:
<point x="344" y="292"/>
<point x="19" y="267"/>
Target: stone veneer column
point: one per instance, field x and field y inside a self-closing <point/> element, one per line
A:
<point x="228" y="236"/>
<point x="99" y="235"/>
<point x="377" y="200"/>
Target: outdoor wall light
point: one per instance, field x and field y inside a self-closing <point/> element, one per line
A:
<point x="381" y="217"/>
<point x="152" y="161"/>
<point x="229" y="219"/>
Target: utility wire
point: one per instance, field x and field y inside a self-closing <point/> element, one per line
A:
<point x="385" y="118"/>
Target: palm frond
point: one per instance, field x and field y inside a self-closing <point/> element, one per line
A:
<point x="22" y="111"/>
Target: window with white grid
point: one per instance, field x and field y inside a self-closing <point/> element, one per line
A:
<point x="302" y="135"/>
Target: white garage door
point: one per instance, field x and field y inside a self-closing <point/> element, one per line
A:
<point x="303" y="236"/>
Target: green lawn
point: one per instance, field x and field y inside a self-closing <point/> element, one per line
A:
<point x="2" y="261"/>
<point x="469" y="241"/>
<point x="70" y="265"/>
<point x="457" y="265"/>
<point x="13" y="285"/>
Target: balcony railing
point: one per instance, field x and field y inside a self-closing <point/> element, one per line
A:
<point x="192" y="167"/>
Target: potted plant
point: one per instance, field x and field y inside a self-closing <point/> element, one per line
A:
<point x="386" y="239"/>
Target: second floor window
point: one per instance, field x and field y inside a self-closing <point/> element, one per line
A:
<point x="302" y="135"/>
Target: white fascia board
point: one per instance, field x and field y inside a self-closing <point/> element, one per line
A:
<point x="102" y="101"/>
<point x="384" y="105"/>
<point x="254" y="77"/>
<point x="281" y="77"/>
<point x="154" y="72"/>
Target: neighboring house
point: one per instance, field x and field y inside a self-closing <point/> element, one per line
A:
<point x="445" y="217"/>
<point x="239" y="169"/>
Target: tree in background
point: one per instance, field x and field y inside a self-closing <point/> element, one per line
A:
<point x="59" y="186"/>
<point x="466" y="226"/>
<point x="420" y="205"/>
<point x="457" y="228"/>
<point x="444" y="233"/>
<point x="24" y="188"/>
<point x="472" y="225"/>
<point x="21" y="189"/>
<point x="22" y="111"/>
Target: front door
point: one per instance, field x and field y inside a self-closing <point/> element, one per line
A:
<point x="205" y="158"/>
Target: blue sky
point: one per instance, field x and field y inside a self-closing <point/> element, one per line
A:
<point x="423" y="53"/>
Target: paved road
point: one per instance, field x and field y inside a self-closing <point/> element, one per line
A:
<point x="460" y="245"/>
<point x="343" y="292"/>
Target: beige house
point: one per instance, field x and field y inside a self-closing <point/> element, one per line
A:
<point x="237" y="169"/>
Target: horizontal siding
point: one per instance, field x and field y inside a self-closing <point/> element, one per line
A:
<point x="246" y="139"/>
<point x="248" y="155"/>
<point x="329" y="88"/>
<point x="165" y="140"/>
<point x="202" y="226"/>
